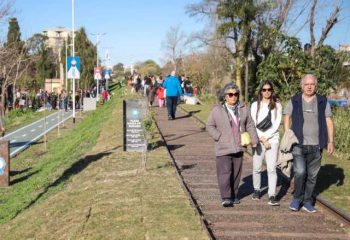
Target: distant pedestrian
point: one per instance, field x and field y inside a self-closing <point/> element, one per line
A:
<point x="267" y="115"/>
<point x="160" y="95"/>
<point x="313" y="126"/>
<point x="104" y="95"/>
<point x="226" y="122"/>
<point x="173" y="92"/>
<point x="64" y="100"/>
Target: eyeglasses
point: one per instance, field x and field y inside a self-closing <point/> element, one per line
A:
<point x="266" y="89"/>
<point x="232" y="94"/>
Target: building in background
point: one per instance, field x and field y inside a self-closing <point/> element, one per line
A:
<point x="56" y="38"/>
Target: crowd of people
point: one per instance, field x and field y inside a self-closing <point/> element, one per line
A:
<point x="308" y="130"/>
<point x="53" y="100"/>
<point x="168" y="91"/>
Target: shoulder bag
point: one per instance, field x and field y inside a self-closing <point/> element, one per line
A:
<point x="265" y="123"/>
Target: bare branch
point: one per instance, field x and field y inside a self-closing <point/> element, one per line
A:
<point x="312" y="25"/>
<point x="284" y="13"/>
<point x="5" y="8"/>
<point x="332" y="20"/>
<point x="204" y="9"/>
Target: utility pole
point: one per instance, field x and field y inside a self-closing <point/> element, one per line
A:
<point x="98" y="35"/>
<point x="108" y="68"/>
<point x="73" y="51"/>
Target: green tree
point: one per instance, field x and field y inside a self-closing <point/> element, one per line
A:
<point x="148" y="67"/>
<point x="286" y="67"/>
<point x="118" y="70"/>
<point x="14" y="35"/>
<point x="86" y="50"/>
<point x="327" y="66"/>
<point x="44" y="60"/>
<point x="236" y="19"/>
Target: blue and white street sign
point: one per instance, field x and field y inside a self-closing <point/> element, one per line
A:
<point x="107" y="73"/>
<point x="73" y="64"/>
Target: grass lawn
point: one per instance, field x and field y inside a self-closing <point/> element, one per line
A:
<point x="87" y="187"/>
<point x="333" y="181"/>
<point x="19" y="118"/>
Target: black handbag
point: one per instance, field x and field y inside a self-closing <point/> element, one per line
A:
<point x="265" y="123"/>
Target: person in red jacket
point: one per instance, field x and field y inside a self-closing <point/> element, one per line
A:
<point x="104" y="95"/>
<point x="160" y="95"/>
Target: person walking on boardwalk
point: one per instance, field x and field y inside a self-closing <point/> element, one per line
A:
<point x="312" y="125"/>
<point x="225" y="124"/>
<point x="173" y="91"/>
<point x="267" y="115"/>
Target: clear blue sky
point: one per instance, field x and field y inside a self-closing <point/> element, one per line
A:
<point x="134" y="29"/>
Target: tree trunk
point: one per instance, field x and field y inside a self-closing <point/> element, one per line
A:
<point x="14" y="94"/>
<point x="2" y="110"/>
<point x="312" y="24"/>
<point x="239" y="76"/>
<point x="246" y="80"/>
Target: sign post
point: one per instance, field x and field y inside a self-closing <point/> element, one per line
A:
<point x="107" y="74"/>
<point x="134" y="112"/>
<point x="4" y="163"/>
<point x="97" y="77"/>
<point x="73" y="72"/>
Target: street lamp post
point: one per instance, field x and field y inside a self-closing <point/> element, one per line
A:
<point x="73" y="54"/>
<point x="97" y="62"/>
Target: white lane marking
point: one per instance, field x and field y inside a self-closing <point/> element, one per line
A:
<point x="33" y="130"/>
<point x="34" y="139"/>
<point x="28" y="125"/>
<point x="40" y="126"/>
<point x="12" y="141"/>
<point x="53" y="119"/>
<point x="24" y="135"/>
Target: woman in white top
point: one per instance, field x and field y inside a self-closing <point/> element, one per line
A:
<point x="267" y="114"/>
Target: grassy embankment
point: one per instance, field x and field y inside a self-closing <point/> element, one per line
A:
<point x="85" y="186"/>
<point x="334" y="178"/>
<point x="18" y="118"/>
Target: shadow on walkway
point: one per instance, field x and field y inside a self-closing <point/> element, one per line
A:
<point x="329" y="175"/>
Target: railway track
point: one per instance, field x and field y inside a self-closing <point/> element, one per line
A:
<point x="192" y="152"/>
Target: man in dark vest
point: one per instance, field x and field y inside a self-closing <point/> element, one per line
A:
<point x="310" y="115"/>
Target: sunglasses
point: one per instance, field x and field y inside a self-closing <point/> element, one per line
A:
<point x="232" y="94"/>
<point x="266" y="89"/>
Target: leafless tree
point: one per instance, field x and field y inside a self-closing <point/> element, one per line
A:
<point x="174" y="44"/>
<point x="14" y="64"/>
<point x="331" y="21"/>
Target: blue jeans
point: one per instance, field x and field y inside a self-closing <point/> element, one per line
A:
<point x="306" y="164"/>
<point x="171" y="103"/>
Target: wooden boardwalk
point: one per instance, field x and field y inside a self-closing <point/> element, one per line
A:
<point x="193" y="151"/>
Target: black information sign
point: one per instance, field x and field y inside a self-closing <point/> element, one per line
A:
<point x="134" y="111"/>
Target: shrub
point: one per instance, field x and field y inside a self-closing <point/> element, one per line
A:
<point x="342" y="126"/>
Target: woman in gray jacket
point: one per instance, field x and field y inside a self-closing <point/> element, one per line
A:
<point x="225" y="124"/>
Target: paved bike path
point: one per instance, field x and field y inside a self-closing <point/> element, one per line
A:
<point x="22" y="138"/>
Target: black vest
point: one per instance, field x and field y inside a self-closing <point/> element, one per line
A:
<point x="298" y="119"/>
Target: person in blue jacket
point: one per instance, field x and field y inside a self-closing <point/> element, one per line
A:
<point x="173" y="91"/>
